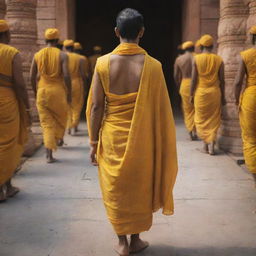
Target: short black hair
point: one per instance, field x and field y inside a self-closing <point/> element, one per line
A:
<point x="206" y="47"/>
<point x="52" y="41"/>
<point x="129" y="23"/>
<point x="253" y="39"/>
<point x="70" y="48"/>
<point x="190" y="49"/>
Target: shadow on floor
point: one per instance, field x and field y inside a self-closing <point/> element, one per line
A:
<point x="162" y="250"/>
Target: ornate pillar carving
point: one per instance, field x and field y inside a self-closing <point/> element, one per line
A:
<point x="232" y="39"/>
<point x="2" y="9"/>
<point x="21" y="15"/>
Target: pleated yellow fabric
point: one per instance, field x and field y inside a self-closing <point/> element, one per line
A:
<point x="187" y="107"/>
<point x="13" y="118"/>
<point x="207" y="96"/>
<point x="247" y="113"/>
<point x="51" y="96"/>
<point x="137" y="147"/>
<point x="77" y="90"/>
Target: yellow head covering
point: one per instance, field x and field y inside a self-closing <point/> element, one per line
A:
<point x="3" y="26"/>
<point x="206" y="40"/>
<point x="197" y="43"/>
<point x="187" y="45"/>
<point x="68" y="43"/>
<point x="253" y="30"/>
<point x="60" y="42"/>
<point x="77" y="46"/>
<point x="52" y="33"/>
<point x="97" y="48"/>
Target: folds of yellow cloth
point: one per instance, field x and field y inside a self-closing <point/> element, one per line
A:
<point x="51" y="96"/>
<point x="247" y="117"/>
<point x="207" y="99"/>
<point x="137" y="148"/>
<point x="77" y="90"/>
<point x="77" y="102"/>
<point x="187" y="107"/>
<point x="13" y="133"/>
<point x="247" y="114"/>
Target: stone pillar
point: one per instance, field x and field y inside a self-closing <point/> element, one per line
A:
<point x="251" y="21"/>
<point x="2" y="9"/>
<point x="21" y="15"/>
<point x="232" y="40"/>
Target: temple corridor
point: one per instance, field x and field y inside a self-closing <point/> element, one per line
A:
<point x="59" y="211"/>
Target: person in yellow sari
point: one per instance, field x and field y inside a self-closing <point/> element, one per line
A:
<point x="247" y="100"/>
<point x="132" y="135"/>
<point x="14" y="112"/>
<point x="53" y="91"/>
<point x="79" y="85"/>
<point x="182" y="77"/>
<point x="207" y="93"/>
<point x="93" y="58"/>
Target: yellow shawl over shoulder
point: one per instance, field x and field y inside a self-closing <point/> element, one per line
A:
<point x="137" y="148"/>
<point x="51" y="96"/>
<point x="208" y="96"/>
<point x="13" y="118"/>
<point x="247" y="113"/>
<point x="77" y="90"/>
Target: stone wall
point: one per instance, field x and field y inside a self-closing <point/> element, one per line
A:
<point x="200" y="17"/>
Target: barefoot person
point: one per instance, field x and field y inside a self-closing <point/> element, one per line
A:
<point x="53" y="91"/>
<point x="131" y="128"/>
<point x="247" y="99"/>
<point x="79" y="85"/>
<point x="207" y="92"/>
<point x="14" y="112"/>
<point x="182" y="77"/>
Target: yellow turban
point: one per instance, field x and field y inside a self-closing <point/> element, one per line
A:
<point x="206" y="40"/>
<point x="187" y="45"/>
<point x="3" y="26"/>
<point x="52" y="33"/>
<point x="253" y="30"/>
<point x="68" y="43"/>
<point x="77" y="46"/>
<point x="197" y="43"/>
<point x="97" y="48"/>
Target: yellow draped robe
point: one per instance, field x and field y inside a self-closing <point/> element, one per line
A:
<point x="77" y="90"/>
<point x="137" y="147"/>
<point x="247" y="112"/>
<point x="207" y="100"/>
<point x="187" y="107"/>
<point x="51" y="96"/>
<point x="13" y="118"/>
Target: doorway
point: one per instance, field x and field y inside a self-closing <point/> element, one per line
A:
<point x="95" y="26"/>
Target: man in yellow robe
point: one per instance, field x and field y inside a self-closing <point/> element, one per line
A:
<point x="247" y="99"/>
<point x="132" y="130"/>
<point x="53" y="91"/>
<point x="182" y="77"/>
<point x="14" y="112"/>
<point x="79" y="85"/>
<point x="93" y="58"/>
<point x="78" y="49"/>
<point x="207" y="92"/>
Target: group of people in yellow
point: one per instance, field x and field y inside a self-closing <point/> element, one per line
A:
<point x="201" y="82"/>
<point x="129" y="116"/>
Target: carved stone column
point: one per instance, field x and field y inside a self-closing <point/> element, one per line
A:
<point x="21" y="15"/>
<point x="2" y="9"/>
<point x="232" y="39"/>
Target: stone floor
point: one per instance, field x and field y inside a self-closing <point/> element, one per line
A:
<point x="59" y="211"/>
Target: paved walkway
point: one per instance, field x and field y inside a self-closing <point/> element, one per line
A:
<point x="60" y="213"/>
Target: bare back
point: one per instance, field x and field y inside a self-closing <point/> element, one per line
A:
<point x="184" y="63"/>
<point x="125" y="73"/>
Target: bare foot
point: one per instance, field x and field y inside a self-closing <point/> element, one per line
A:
<point x="3" y="195"/>
<point x="122" y="249"/>
<point x="51" y="160"/>
<point x="60" y="142"/>
<point x="69" y="131"/>
<point x="12" y="191"/>
<point x="137" y="245"/>
<point x="205" y="149"/>
<point x="254" y="177"/>
<point x="191" y="135"/>
<point x="211" y="149"/>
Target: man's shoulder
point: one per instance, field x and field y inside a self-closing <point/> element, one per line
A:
<point x="10" y="49"/>
<point x="154" y="62"/>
